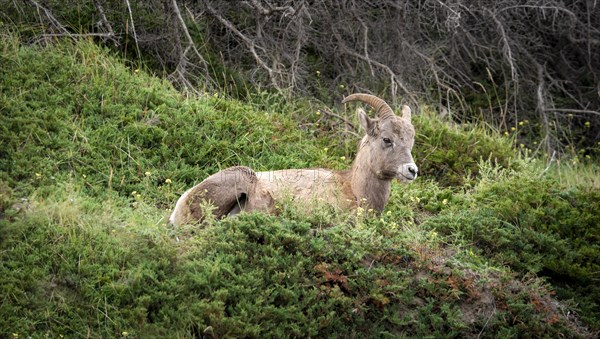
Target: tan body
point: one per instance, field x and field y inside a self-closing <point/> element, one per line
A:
<point x="301" y="185"/>
<point x="383" y="155"/>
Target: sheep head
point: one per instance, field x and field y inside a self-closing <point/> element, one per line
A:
<point x="388" y="142"/>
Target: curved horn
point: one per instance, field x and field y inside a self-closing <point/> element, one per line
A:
<point x="382" y="109"/>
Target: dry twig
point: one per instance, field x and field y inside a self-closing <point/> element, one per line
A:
<point x="135" y="38"/>
<point x="180" y="70"/>
<point x="249" y="44"/>
<point x="111" y="34"/>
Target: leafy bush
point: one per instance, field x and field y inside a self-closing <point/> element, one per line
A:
<point x="75" y="111"/>
<point x="526" y="220"/>
<point x="115" y="272"/>
<point x="90" y="145"/>
<point x="451" y="153"/>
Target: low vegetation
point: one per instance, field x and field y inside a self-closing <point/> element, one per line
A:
<point x="486" y="242"/>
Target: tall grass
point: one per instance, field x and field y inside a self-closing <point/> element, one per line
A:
<point x="571" y="172"/>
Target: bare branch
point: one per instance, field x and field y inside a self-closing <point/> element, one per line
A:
<point x="79" y="35"/>
<point x="111" y="34"/>
<point x="394" y="80"/>
<point x="135" y="38"/>
<point x="249" y="44"/>
<point x="541" y="108"/>
<point x="191" y="45"/>
<point x="51" y="18"/>
<point x="571" y="110"/>
<point x="506" y="46"/>
<point x="289" y="10"/>
<point x="337" y="116"/>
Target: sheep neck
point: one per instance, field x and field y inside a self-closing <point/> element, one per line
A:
<point x="365" y="184"/>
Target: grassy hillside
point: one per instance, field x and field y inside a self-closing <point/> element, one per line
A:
<point x="95" y="153"/>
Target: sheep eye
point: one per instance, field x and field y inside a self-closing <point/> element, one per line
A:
<point x="387" y="141"/>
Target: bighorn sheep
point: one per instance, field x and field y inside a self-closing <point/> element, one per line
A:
<point x="384" y="154"/>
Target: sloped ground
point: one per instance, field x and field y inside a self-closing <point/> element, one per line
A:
<point x="95" y="154"/>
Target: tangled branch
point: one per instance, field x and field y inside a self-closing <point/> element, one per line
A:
<point x="503" y="60"/>
<point x="248" y="42"/>
<point x="180" y="70"/>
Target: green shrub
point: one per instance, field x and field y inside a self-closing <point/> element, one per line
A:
<point x="75" y="268"/>
<point x="90" y="145"/>
<point x="451" y="153"/>
<point x="5" y="197"/>
<point x="526" y="220"/>
<point x="75" y="111"/>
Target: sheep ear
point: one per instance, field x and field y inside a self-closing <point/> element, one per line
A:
<point x="406" y="113"/>
<point x="368" y="124"/>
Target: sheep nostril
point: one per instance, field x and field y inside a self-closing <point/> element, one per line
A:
<point x="413" y="170"/>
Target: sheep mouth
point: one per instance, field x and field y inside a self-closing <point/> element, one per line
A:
<point x="404" y="178"/>
<point x="388" y="175"/>
<point x="391" y="175"/>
